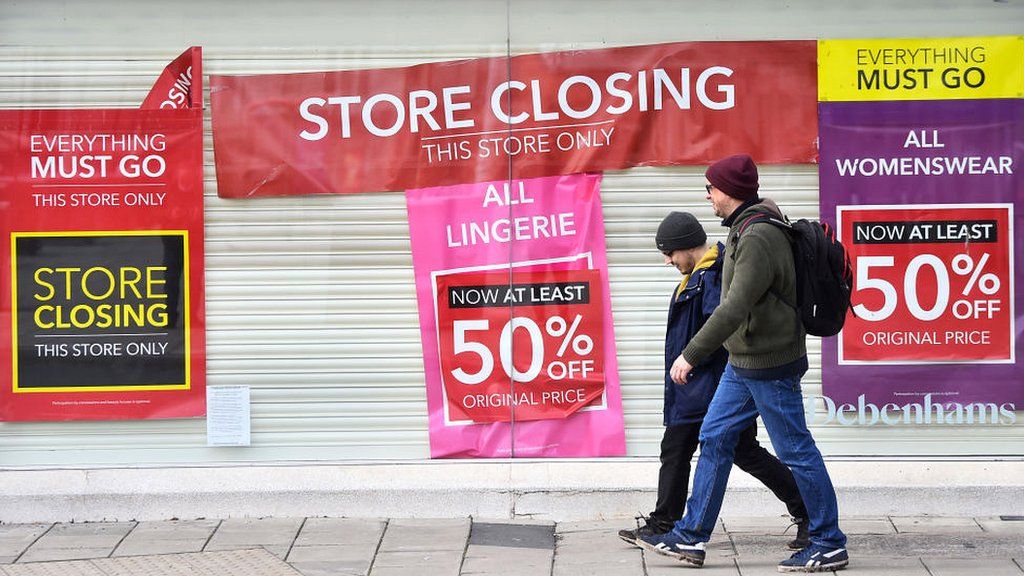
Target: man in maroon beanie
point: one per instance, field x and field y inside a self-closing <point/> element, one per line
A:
<point x="758" y="323"/>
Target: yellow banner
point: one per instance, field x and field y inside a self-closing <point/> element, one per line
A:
<point x="921" y="68"/>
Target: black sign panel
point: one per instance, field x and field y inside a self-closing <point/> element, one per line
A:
<point x="102" y="311"/>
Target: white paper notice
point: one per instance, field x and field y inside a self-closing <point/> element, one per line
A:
<point x="227" y="415"/>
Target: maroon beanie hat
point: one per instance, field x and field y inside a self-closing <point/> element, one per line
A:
<point x="735" y="175"/>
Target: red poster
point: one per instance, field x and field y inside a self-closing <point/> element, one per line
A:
<point x="175" y="88"/>
<point x="934" y="284"/>
<point x="538" y="363"/>
<point x="101" y="299"/>
<point x="536" y="114"/>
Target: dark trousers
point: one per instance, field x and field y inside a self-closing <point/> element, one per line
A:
<point x="677" y="448"/>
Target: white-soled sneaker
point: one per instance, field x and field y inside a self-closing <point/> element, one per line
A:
<point x="816" y="558"/>
<point x="672" y="544"/>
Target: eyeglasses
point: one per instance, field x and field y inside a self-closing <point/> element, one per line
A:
<point x="708" y="187"/>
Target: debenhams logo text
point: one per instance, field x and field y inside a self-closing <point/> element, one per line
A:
<point x="864" y="413"/>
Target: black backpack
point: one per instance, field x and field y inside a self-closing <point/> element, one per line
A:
<point x="824" y="277"/>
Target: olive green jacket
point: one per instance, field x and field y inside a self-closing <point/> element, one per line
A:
<point x="757" y="320"/>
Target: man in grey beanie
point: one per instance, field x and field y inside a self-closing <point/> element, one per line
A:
<point x="683" y="242"/>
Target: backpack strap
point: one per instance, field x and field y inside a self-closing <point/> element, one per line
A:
<point x="759" y="217"/>
<point x="785" y="225"/>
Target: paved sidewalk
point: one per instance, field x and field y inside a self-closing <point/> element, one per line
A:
<point x="743" y="546"/>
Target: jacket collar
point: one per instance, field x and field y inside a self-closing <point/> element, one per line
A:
<point x="739" y="210"/>
<point x="706" y="261"/>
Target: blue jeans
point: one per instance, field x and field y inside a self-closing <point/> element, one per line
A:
<point x="737" y="402"/>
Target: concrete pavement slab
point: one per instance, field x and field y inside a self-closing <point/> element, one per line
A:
<point x="414" y="570"/>
<point x="570" y="551"/>
<point x="494" y="559"/>
<point x="166" y="537"/>
<point x="585" y="553"/>
<point x="596" y="541"/>
<point x="336" y="546"/>
<point x="279" y="551"/>
<point x="503" y="553"/>
<point x="617" y="567"/>
<point x="340" y="531"/>
<point x="15" y="538"/>
<point x="998" y="525"/>
<point x="149" y="547"/>
<point x="980" y="566"/>
<point x="353" y="553"/>
<point x="518" y="570"/>
<point x="767" y="545"/>
<point x="421" y="563"/>
<point x="608" y="536"/>
<point x="506" y="566"/>
<point x="332" y="567"/>
<point x="329" y="568"/>
<point x="760" y="565"/>
<point x="174" y="529"/>
<point x="857" y="525"/>
<point x="757" y="524"/>
<point x="417" y="534"/>
<point x="598" y="556"/>
<point x="935" y="524"/>
<point x="612" y="524"/>
<point x="273" y="534"/>
<point x="92" y="535"/>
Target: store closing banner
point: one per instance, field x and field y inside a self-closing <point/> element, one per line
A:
<point x="550" y="113"/>
<point x="515" y="318"/>
<point x="102" y="303"/>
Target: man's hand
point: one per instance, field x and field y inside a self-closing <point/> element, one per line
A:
<point x="680" y="370"/>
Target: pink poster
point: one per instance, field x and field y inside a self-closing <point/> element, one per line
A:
<point x="515" y="317"/>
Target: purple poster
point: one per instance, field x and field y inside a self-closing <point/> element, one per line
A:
<point x="928" y="198"/>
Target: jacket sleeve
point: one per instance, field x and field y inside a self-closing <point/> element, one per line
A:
<point x="710" y="300"/>
<point x="753" y="274"/>
<point x="712" y="296"/>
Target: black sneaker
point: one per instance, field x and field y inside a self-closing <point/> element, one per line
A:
<point x="649" y="528"/>
<point x="672" y="544"/>
<point x="803" y="536"/>
<point x="816" y="559"/>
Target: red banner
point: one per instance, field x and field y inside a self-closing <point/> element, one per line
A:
<point x="534" y="115"/>
<point x="539" y="364"/>
<point x="175" y="88"/>
<point x="934" y="284"/>
<point x="102" y="299"/>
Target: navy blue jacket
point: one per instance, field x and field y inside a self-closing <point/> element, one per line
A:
<point x="688" y="310"/>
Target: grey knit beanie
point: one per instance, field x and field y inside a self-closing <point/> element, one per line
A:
<point x="680" y="231"/>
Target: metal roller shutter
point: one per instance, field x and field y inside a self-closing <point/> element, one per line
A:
<point x="311" y="302"/>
